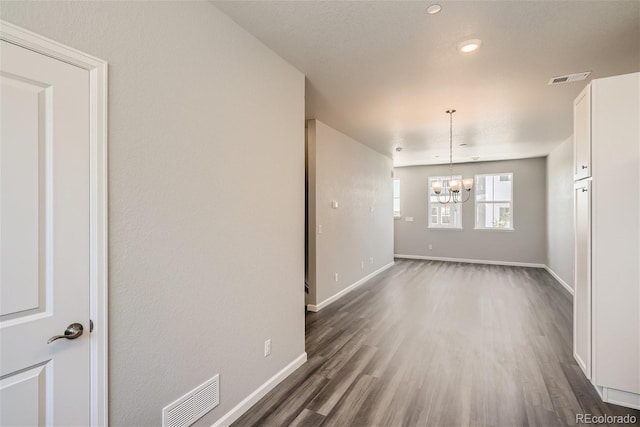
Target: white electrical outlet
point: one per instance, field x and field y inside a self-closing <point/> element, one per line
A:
<point x="334" y="204"/>
<point x="430" y="247"/>
<point x="370" y="260"/>
<point x="335" y="277"/>
<point x="267" y="347"/>
<point x="319" y="228"/>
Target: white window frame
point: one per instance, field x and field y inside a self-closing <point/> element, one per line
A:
<point x="455" y="207"/>
<point x="396" y="214"/>
<point x="486" y="202"/>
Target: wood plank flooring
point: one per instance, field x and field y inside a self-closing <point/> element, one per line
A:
<point x="429" y="343"/>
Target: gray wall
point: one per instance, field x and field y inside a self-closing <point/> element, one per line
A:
<point x="359" y="179"/>
<point x="206" y="198"/>
<point x="560" y="233"/>
<point x="526" y="244"/>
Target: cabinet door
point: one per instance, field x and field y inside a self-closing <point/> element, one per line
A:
<point x="582" y="135"/>
<point x="616" y="233"/>
<point x="582" y="282"/>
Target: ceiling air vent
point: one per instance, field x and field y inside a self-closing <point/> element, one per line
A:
<point x="569" y="78"/>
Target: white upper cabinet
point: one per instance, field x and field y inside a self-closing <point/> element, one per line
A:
<point x="582" y="134"/>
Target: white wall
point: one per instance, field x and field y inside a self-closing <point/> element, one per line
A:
<point x="526" y="244"/>
<point x="206" y="198"/>
<point x="560" y="233"/>
<point x="359" y="179"/>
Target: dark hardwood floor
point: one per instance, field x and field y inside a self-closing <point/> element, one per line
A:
<point x="429" y="343"/>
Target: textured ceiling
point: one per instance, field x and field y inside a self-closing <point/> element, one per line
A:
<point x="385" y="72"/>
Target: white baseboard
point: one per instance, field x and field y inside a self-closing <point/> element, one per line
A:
<point x="581" y="364"/>
<point x="598" y="390"/>
<point x="471" y="261"/>
<point x="323" y="304"/>
<point x="260" y="392"/>
<point x="620" y="397"/>
<point x="559" y="279"/>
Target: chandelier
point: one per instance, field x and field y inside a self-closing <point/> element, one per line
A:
<point x="454" y="193"/>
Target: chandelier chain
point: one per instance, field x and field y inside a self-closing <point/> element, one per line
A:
<point x="451" y="142"/>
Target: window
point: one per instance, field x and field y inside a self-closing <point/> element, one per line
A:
<point x="396" y="198"/>
<point x="494" y="201"/>
<point x="443" y="216"/>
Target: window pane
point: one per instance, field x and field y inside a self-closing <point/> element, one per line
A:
<point x="504" y="216"/>
<point x="434" y="215"/>
<point x="494" y="187"/>
<point x="396" y="188"/>
<point x="493" y="201"/>
<point x="481" y="185"/>
<point x="443" y="215"/>
<point x="502" y="188"/>
<point x="493" y="215"/>
<point x="481" y="215"/>
<point x="396" y="197"/>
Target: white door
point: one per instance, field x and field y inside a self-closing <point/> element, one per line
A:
<point x="582" y="291"/>
<point x="44" y="239"/>
<point x="582" y="134"/>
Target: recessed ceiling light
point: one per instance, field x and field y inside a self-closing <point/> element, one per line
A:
<point x="463" y="145"/>
<point x="433" y="9"/>
<point x="468" y="46"/>
<point x="399" y="149"/>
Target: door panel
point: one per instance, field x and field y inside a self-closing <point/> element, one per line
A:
<point x="582" y="135"/>
<point x="582" y="291"/>
<point x="23" y="397"/>
<point x="24" y="132"/>
<point x="44" y="238"/>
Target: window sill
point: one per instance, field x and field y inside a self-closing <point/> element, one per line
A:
<point x="494" y="229"/>
<point x="445" y="228"/>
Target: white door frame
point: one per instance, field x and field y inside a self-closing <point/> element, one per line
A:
<point x="98" y="200"/>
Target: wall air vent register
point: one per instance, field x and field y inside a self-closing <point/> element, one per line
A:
<point x="193" y="405"/>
